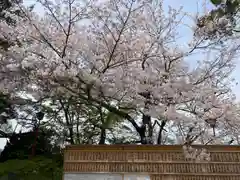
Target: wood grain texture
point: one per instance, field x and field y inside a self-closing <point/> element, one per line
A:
<point x="161" y="162"/>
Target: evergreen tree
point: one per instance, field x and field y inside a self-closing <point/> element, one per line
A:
<point x="20" y="145"/>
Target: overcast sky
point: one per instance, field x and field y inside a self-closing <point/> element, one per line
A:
<point x="190" y="6"/>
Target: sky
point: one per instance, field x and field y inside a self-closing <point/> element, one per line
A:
<point x="190" y="6"/>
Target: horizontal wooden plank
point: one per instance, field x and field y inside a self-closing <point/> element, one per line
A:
<point x="155" y="162"/>
<point x="163" y="174"/>
<point x="152" y="168"/>
<point x="145" y="156"/>
<point x="212" y="148"/>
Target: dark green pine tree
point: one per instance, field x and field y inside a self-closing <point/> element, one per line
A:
<point x="19" y="145"/>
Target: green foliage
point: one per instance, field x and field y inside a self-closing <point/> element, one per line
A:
<point x="111" y="119"/>
<point x="7" y="112"/>
<point x="3" y="102"/>
<point x="36" y="168"/>
<point x="20" y="145"/>
<point x="230" y="7"/>
<point x="216" y="2"/>
<point x="5" y="106"/>
<point x="221" y="22"/>
<point x="16" y="158"/>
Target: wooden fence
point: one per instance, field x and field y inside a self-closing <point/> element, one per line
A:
<point x="160" y="162"/>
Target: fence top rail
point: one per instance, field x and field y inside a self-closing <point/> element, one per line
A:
<point x="211" y="148"/>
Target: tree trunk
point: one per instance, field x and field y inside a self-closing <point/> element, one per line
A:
<point x="69" y="125"/>
<point x="159" y="140"/>
<point x="71" y="134"/>
<point x="78" y="133"/>
<point x="102" y="136"/>
<point x="35" y="142"/>
<point x="148" y="131"/>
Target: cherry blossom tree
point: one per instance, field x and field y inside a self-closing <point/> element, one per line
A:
<point x="124" y="57"/>
<point x="221" y="22"/>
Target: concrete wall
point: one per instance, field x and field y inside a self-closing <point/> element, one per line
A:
<point x="103" y="176"/>
<point x="92" y="177"/>
<point x="136" y="177"/>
